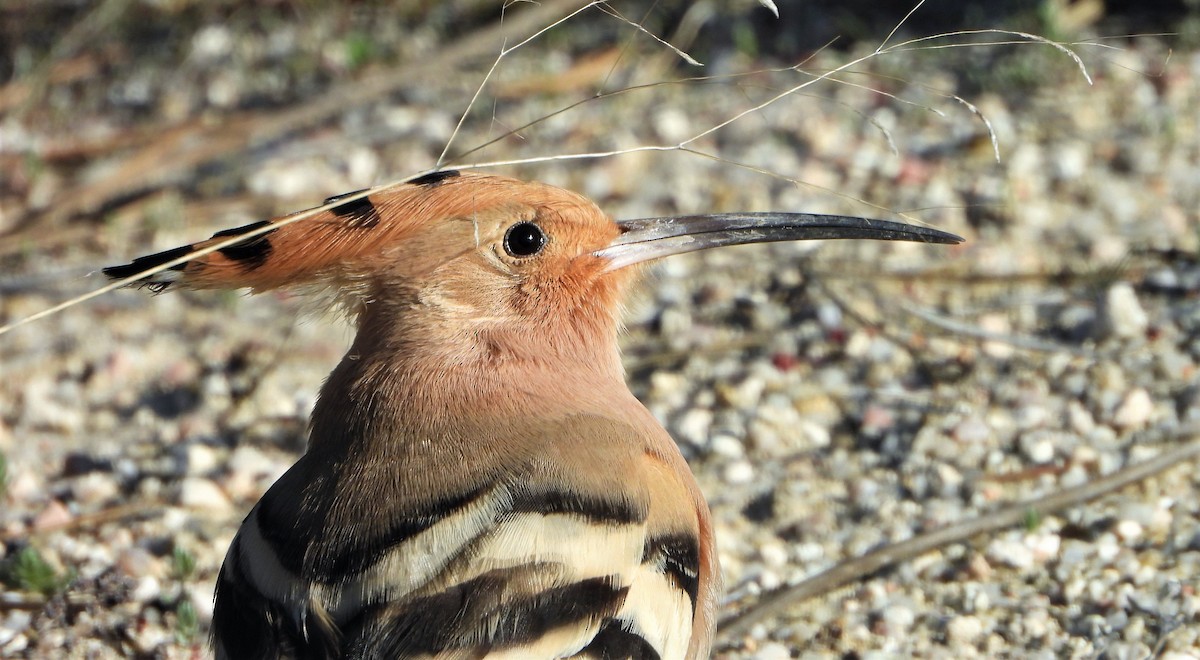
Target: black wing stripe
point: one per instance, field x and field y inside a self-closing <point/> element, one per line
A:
<point x="246" y="624"/>
<point x="678" y="557"/>
<point x="614" y="642"/>
<point x="484" y="614"/>
<point x="609" y="511"/>
<point x="356" y="554"/>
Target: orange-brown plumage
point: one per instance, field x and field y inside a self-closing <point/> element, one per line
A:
<point x="479" y="480"/>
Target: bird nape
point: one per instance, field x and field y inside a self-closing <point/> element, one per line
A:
<point x="478" y="480"/>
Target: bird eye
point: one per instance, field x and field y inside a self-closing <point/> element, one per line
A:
<point x="524" y="239"/>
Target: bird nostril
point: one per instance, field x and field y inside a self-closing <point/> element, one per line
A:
<point x="524" y="239"/>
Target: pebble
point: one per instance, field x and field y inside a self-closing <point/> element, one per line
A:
<point x="997" y="324"/>
<point x="693" y="426"/>
<point x="773" y="554"/>
<point x="1037" y="446"/>
<point x="200" y="493"/>
<point x="1129" y="531"/>
<point x="24" y="485"/>
<point x="146" y="589"/>
<point x="137" y="562"/>
<point x="44" y="408"/>
<point x="772" y="651"/>
<point x="1044" y="546"/>
<point x="1135" y="411"/>
<point x="200" y="459"/>
<point x="95" y="488"/>
<point x="1123" y="314"/>
<point x="739" y="472"/>
<point x="964" y="629"/>
<point x="54" y="515"/>
<point x="1006" y="551"/>
<point x="971" y="430"/>
<point x="898" y="620"/>
<point x="727" y="446"/>
<point x="1080" y="418"/>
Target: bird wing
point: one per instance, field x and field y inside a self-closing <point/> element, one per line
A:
<point x="568" y="539"/>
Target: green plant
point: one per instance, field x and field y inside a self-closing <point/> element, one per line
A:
<point x="29" y="571"/>
<point x="360" y="49"/>
<point x="1032" y="520"/>
<point x="183" y="564"/>
<point x="187" y="624"/>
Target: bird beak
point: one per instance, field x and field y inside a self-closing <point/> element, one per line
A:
<point x="652" y="238"/>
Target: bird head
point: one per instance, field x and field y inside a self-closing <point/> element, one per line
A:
<point x="470" y="258"/>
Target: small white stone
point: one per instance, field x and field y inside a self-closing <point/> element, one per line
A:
<point x="964" y="629"/>
<point x="1107" y="547"/>
<point x="1075" y="475"/>
<point x="1032" y="416"/>
<point x="746" y="394"/>
<point x="147" y="589"/>
<point x="693" y="425"/>
<point x="773" y="554"/>
<point x="1081" y="419"/>
<point x="1129" y="530"/>
<point x="199" y="493"/>
<point x="672" y="124"/>
<point x="200" y="459"/>
<point x="1043" y="546"/>
<point x="42" y="408"/>
<point x="772" y="651"/>
<point x="24" y="485"/>
<point x="95" y="488"/>
<point x="971" y="430"/>
<point x="769" y="580"/>
<point x="1035" y="623"/>
<point x="997" y="325"/>
<point x="253" y="462"/>
<point x="668" y="387"/>
<point x="898" y="619"/>
<point x="739" y="472"/>
<point x="1124" y="316"/>
<point x="858" y="344"/>
<point x="817" y="436"/>
<point x="14" y="646"/>
<point x="728" y="446"/>
<point x="1037" y="447"/>
<point x="1007" y="552"/>
<point x="211" y="42"/>
<point x="808" y="553"/>
<point x="1135" y="411"/>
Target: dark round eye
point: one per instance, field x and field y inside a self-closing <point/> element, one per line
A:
<point x="524" y="239"/>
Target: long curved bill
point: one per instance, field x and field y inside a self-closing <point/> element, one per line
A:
<point x="652" y="238"/>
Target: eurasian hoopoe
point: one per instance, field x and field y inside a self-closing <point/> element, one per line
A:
<point x="479" y="481"/>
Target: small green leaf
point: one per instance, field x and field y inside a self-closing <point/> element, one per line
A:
<point x="187" y="624"/>
<point x="29" y="571"/>
<point x="1032" y="519"/>
<point x="183" y="564"/>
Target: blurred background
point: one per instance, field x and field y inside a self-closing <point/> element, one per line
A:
<point x="831" y="398"/>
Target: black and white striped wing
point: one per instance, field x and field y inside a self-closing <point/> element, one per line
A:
<point x="534" y="564"/>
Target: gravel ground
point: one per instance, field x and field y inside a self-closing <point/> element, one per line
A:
<point x="831" y="398"/>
